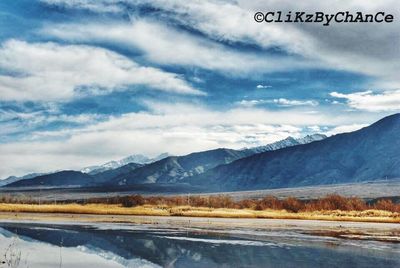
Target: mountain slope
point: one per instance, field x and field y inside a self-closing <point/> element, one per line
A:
<point x="174" y="168"/>
<point x="62" y="179"/>
<point x="12" y="179"/>
<point x="371" y="153"/>
<point x="113" y="173"/>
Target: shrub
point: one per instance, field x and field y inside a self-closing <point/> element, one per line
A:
<point x="132" y="201"/>
<point x="336" y="202"/>
<point x="269" y="202"/>
<point x="292" y="204"/>
<point x="387" y="204"/>
<point x="246" y="203"/>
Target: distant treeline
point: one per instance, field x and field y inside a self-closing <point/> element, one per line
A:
<point x="330" y="202"/>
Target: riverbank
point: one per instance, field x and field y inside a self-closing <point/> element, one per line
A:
<point x="370" y="231"/>
<point x="125" y="239"/>
<point x="377" y="216"/>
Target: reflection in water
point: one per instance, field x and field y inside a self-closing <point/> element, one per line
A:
<point x="102" y="245"/>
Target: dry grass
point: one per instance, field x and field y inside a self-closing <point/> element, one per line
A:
<point x="98" y="209"/>
<point x="371" y="215"/>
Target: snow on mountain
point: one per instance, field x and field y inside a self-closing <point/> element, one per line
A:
<point x="289" y="141"/>
<point x="311" y="138"/>
<point x="137" y="158"/>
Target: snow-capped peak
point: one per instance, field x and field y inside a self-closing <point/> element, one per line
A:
<point x="311" y="138"/>
<point x="136" y="158"/>
<point x="289" y="141"/>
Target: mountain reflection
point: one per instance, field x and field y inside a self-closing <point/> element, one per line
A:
<point x="172" y="247"/>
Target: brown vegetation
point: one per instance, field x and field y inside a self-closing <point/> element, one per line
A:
<point x="331" y="207"/>
<point x="290" y="204"/>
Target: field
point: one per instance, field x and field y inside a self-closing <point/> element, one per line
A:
<point x="366" y="190"/>
<point x="371" y="215"/>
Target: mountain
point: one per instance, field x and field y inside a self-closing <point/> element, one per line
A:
<point x="170" y="169"/>
<point x="12" y="179"/>
<point x="174" y="168"/>
<point x="289" y="141"/>
<point x="103" y="172"/>
<point x="311" y="138"/>
<point x="372" y="153"/>
<point x="107" y="175"/>
<point x="57" y="179"/>
<point x="137" y="158"/>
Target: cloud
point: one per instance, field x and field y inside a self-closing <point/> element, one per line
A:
<point x="356" y="47"/>
<point x="53" y="72"/>
<point x="344" y="129"/>
<point x="95" y="6"/>
<point x="156" y="40"/>
<point x="286" y="102"/>
<point x="315" y="129"/>
<point x="373" y="102"/>
<point x="221" y="20"/>
<point x="262" y="86"/>
<point x="13" y="122"/>
<point x="280" y="102"/>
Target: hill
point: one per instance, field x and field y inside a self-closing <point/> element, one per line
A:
<point x="369" y="154"/>
<point x="65" y="178"/>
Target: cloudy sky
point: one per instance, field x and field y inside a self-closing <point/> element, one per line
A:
<point x="87" y="81"/>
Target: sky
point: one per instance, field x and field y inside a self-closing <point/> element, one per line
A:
<point x="83" y="82"/>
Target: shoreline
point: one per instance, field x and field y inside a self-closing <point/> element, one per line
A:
<point x="369" y="231"/>
<point x="102" y="210"/>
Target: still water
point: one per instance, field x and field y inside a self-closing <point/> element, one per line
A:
<point x="142" y="245"/>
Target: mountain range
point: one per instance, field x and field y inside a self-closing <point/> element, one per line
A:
<point x="371" y="153"/>
<point x="136" y="158"/>
<point x="74" y="178"/>
<point x="162" y="169"/>
<point x="12" y="179"/>
<point x="289" y="141"/>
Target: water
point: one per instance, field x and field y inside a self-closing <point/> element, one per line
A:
<point x="142" y="245"/>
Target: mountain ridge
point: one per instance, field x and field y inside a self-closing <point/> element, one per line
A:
<point x="65" y="178"/>
<point x="114" y="164"/>
<point x="367" y="154"/>
<point x="114" y="169"/>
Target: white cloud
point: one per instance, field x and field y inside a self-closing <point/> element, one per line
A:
<point x="24" y="122"/>
<point x="316" y="129"/>
<point x="222" y="20"/>
<point x="262" y="86"/>
<point x="52" y="72"/>
<point x="95" y="6"/>
<point x="369" y="101"/>
<point x="286" y="102"/>
<point x="357" y="47"/>
<point x="163" y="44"/>
<point x="280" y="102"/>
<point x="344" y="129"/>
